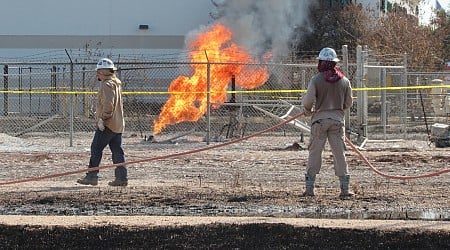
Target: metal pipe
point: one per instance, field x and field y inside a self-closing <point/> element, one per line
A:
<point x="208" y="103"/>
<point x="5" y="87"/>
<point x="383" y="102"/>
<point x="71" y="102"/>
<point x="345" y="69"/>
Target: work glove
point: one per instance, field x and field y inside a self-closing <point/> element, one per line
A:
<point x="101" y="124"/>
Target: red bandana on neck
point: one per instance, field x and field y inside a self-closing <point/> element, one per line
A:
<point x="332" y="72"/>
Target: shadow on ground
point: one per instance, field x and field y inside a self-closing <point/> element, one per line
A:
<point x="217" y="236"/>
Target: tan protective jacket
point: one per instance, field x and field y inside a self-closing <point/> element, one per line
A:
<point x="110" y="106"/>
<point x="329" y="99"/>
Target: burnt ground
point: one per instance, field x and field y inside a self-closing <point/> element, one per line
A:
<point x="254" y="179"/>
<point x="217" y="236"/>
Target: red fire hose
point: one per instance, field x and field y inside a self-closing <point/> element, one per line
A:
<point x="393" y="176"/>
<point x="222" y="145"/>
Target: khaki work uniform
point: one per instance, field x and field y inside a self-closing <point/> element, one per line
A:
<point x="330" y="100"/>
<point x="110" y="106"/>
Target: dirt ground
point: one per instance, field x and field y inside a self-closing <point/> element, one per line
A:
<point x="243" y="195"/>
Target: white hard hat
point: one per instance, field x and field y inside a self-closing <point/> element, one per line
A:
<point x="328" y="54"/>
<point x="105" y="63"/>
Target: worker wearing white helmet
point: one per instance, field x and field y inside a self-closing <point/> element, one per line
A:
<point x="110" y="125"/>
<point x="105" y="63"/>
<point x="328" y="95"/>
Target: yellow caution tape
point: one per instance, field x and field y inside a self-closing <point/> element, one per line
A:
<point x="271" y="91"/>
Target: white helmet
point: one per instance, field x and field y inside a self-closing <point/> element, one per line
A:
<point x="105" y="63"/>
<point x="328" y="54"/>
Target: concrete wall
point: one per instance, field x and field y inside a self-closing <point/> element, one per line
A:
<point x="29" y="27"/>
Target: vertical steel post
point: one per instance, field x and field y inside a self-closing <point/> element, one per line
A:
<point x="361" y="95"/>
<point x="30" y="99"/>
<point x="83" y="84"/>
<point x="72" y="103"/>
<point x="233" y="89"/>
<point x="345" y="69"/>
<point x="304" y="81"/>
<point x="208" y="103"/>
<point x="5" y="93"/>
<point x="53" y="96"/>
<point x="404" y="99"/>
<point x="383" y="102"/>
<point x="20" y="70"/>
<point x="365" y="94"/>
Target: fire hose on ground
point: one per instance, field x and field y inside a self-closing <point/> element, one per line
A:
<point x="354" y="148"/>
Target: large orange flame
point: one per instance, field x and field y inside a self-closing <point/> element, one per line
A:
<point x="188" y="95"/>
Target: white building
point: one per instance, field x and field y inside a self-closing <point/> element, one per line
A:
<point x="42" y="30"/>
<point x="423" y="9"/>
<point x="36" y="30"/>
<point x="427" y="8"/>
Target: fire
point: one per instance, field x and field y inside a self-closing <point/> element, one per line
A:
<point x="188" y="95"/>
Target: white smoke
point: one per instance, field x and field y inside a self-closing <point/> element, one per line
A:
<point x="264" y="25"/>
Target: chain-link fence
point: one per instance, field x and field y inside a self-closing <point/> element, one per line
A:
<point x="60" y="97"/>
<point x="401" y="102"/>
<point x="48" y="97"/>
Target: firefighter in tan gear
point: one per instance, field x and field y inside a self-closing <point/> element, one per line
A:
<point x="329" y="94"/>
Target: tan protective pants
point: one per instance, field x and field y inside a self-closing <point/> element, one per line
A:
<point x="321" y="131"/>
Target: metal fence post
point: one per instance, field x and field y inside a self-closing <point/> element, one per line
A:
<point x="365" y="93"/>
<point x="72" y="103"/>
<point x="361" y="95"/>
<point x="53" y="85"/>
<point x="29" y="95"/>
<point x="83" y="84"/>
<point x="304" y="81"/>
<point x="5" y="87"/>
<point x="20" y="88"/>
<point x="208" y="103"/>
<point x="345" y="69"/>
<point x="404" y="102"/>
<point x="383" y="102"/>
